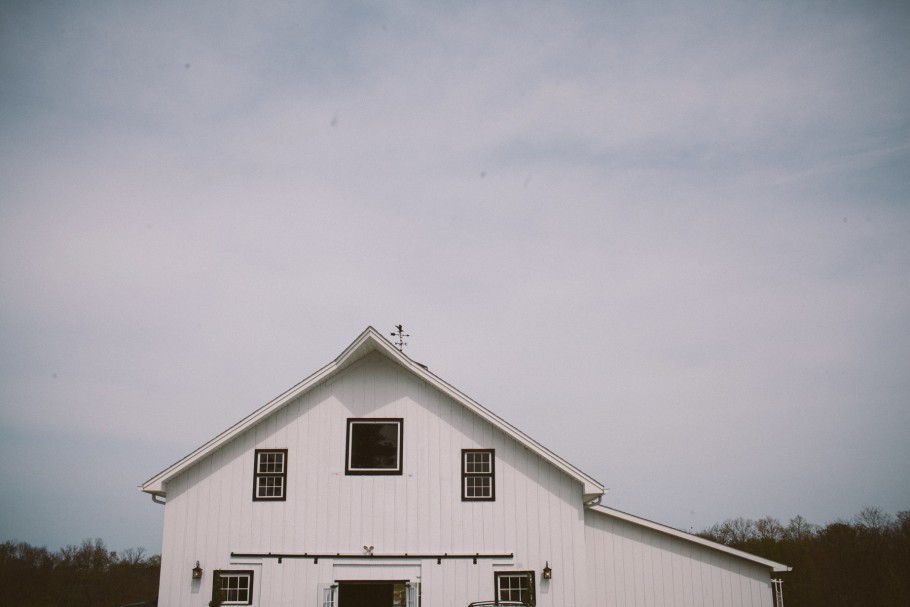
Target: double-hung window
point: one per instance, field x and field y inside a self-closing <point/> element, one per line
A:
<point x="516" y="586"/>
<point x="374" y="446"/>
<point x="478" y="481"/>
<point x="270" y="477"/>
<point x="233" y="587"/>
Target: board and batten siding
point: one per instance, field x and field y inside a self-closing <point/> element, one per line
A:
<point x="210" y="513"/>
<point x="633" y="565"/>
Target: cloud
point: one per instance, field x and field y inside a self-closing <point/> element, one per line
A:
<point x="683" y="231"/>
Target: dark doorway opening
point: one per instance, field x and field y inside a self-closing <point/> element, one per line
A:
<point x="371" y="594"/>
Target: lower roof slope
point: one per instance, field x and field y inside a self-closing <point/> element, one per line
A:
<point x="641" y="522"/>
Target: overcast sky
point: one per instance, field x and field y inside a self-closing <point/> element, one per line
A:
<point x="670" y="241"/>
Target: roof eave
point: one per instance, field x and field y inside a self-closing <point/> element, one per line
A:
<point x="592" y="488"/>
<point x="156" y="483"/>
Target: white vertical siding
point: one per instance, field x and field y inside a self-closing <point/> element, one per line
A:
<point x="210" y="512"/>
<point x="632" y="565"/>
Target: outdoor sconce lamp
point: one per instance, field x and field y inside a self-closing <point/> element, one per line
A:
<point x="197" y="572"/>
<point x="547" y="572"/>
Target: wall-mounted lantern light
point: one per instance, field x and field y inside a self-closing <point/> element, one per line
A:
<point x="547" y="572"/>
<point x="197" y="572"/>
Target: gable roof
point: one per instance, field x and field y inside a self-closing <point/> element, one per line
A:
<point x="688" y="537"/>
<point x="370" y="341"/>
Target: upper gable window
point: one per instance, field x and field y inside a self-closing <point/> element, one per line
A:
<point x="270" y="475"/>
<point x="478" y="481"/>
<point x="374" y="446"/>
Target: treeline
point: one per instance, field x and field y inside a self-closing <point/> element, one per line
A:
<point x="76" y="576"/>
<point x="863" y="562"/>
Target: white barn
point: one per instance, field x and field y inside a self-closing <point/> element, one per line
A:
<point x="374" y="483"/>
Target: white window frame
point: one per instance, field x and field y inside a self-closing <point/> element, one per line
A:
<point x="350" y="469"/>
<point x="218" y="585"/>
<point x="531" y="599"/>
<point x="471" y="472"/>
<point x="262" y="472"/>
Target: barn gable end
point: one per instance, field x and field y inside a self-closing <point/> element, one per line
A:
<point x="375" y="476"/>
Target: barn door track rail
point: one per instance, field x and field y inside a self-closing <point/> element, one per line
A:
<point x="306" y="555"/>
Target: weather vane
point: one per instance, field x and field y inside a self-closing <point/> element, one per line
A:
<point x="400" y="334"/>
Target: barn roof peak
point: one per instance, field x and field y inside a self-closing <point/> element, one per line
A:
<point x="369" y="341"/>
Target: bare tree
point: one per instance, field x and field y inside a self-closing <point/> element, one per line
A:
<point x="799" y="529"/>
<point x="873" y="518"/>
<point x="133" y="556"/>
<point x="769" y="528"/>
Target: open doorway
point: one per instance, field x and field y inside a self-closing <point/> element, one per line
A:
<point x="372" y="594"/>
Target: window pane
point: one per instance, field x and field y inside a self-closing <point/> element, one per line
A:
<point x="374" y="445"/>
<point x="515" y="587"/>
<point x="478" y="486"/>
<point x="270" y="474"/>
<point x="271" y="486"/>
<point x="477" y="474"/>
<point x="271" y="462"/>
<point x="477" y="463"/>
<point x="235" y="588"/>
